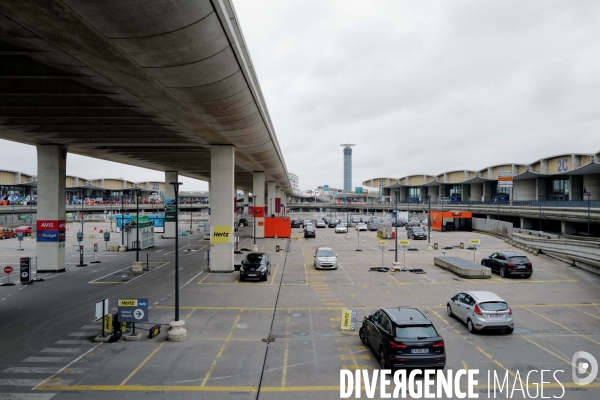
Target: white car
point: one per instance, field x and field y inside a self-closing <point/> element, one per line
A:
<point x="481" y="311"/>
<point x="341" y="228"/>
<point x="361" y="226"/>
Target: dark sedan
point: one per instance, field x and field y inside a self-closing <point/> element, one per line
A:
<point x="509" y="263"/>
<point x="296" y="223"/>
<point x="310" y="231"/>
<point x="416" y="233"/>
<point x="255" y="266"/>
<point x="403" y="338"/>
<point x="332" y="223"/>
<point x="243" y="222"/>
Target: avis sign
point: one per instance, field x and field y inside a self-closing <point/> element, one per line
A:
<point x="133" y="310"/>
<point x="51" y="230"/>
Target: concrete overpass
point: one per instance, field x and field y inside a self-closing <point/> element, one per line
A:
<point x="166" y="85"/>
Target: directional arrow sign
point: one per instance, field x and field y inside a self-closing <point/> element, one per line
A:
<point x="133" y="310"/>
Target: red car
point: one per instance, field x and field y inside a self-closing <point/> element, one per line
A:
<point x="25" y="229"/>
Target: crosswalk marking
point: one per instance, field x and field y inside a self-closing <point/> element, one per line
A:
<point x="80" y="334"/>
<point x="26" y="396"/>
<point x="74" y="341"/>
<point x="64" y="350"/>
<point x="43" y="370"/>
<point x="96" y="327"/>
<point x="48" y="359"/>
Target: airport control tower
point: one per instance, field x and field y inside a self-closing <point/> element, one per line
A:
<point x="347" y="166"/>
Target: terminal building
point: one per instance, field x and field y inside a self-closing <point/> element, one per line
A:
<point x="565" y="177"/>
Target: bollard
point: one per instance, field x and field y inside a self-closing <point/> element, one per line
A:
<point x="444" y="254"/>
<point x="277" y="249"/>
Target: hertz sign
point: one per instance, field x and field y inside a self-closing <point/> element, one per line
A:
<point x="220" y="234"/>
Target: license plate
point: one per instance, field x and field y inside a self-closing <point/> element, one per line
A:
<point x="415" y="351"/>
<point x="496" y="316"/>
<point x="251" y="274"/>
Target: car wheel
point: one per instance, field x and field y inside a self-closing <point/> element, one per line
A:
<point x="14" y="236"/>
<point x="470" y="326"/>
<point x="265" y="278"/>
<point x="242" y="279"/>
<point x="363" y="335"/>
<point x="2" y="237"/>
<point x="483" y="263"/>
<point x="382" y="361"/>
<point x="510" y="330"/>
<point x="449" y="309"/>
<point x="502" y="272"/>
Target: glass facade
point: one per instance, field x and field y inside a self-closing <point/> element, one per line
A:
<point x="559" y="189"/>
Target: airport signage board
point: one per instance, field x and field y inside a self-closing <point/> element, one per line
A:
<point x="505" y="179"/>
<point x="51" y="230"/>
<point x="133" y="310"/>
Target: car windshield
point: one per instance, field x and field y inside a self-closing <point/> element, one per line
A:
<point x="418" y="230"/>
<point x="519" y="259"/>
<point x="493" y="306"/>
<point x="416" y="331"/>
<point x="254" y="258"/>
<point x="325" y="253"/>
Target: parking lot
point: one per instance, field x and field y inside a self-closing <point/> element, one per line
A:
<point x="284" y="335"/>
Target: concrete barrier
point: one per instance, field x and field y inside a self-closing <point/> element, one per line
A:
<point x="494" y="226"/>
<point x="463" y="268"/>
<point x="583" y="253"/>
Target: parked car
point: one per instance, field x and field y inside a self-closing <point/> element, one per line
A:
<point x="509" y="263"/>
<point x="403" y="338"/>
<point x="25" y="229"/>
<point x="373" y="225"/>
<point x="296" y="223"/>
<point x="321" y="224"/>
<point x="416" y="233"/>
<point x="325" y="258"/>
<point x="256" y="266"/>
<point x="361" y="226"/>
<point x="481" y="311"/>
<point x="310" y="231"/>
<point x="243" y="222"/>
<point x="7" y="233"/>
<point x="306" y="221"/>
<point x="412" y="223"/>
<point x="332" y="223"/>
<point x="400" y="222"/>
<point x="341" y="228"/>
<point x="356" y="220"/>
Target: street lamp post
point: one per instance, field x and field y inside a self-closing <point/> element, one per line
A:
<point x="82" y="213"/>
<point x="176" y="188"/>
<point x="396" y="234"/>
<point x="429" y="221"/>
<point x="137" y="226"/>
<point x="122" y="219"/>
<point x="254" y="246"/>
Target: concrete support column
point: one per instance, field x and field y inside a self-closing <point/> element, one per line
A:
<point x="258" y="190"/>
<point x="540" y="189"/>
<point x="575" y="187"/>
<point x="277" y="198"/>
<point x="51" y="226"/>
<point x="246" y="199"/>
<point x="526" y="223"/>
<point x="465" y="192"/>
<point x="487" y="191"/>
<point x="271" y="197"/>
<point x="170" y="176"/>
<point x="222" y="194"/>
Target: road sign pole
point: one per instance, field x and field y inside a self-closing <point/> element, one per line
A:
<point x="404" y="257"/>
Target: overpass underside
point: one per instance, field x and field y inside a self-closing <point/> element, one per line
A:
<point x="163" y="85"/>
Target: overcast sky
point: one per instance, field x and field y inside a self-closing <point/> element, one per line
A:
<point x="419" y="87"/>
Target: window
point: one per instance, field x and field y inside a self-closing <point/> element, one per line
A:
<point x="415" y="332"/>
<point x="493" y="306"/>
<point x="385" y="323"/>
<point x="325" y="253"/>
<point x="502" y="190"/>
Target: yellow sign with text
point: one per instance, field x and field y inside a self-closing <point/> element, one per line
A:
<point x="221" y="234"/>
<point x="107" y="323"/>
<point x="348" y="320"/>
<point x="128" y="303"/>
<point x="475" y="241"/>
<point x="382" y="243"/>
<point x="403" y="242"/>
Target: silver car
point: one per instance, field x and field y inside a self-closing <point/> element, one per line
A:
<point x="481" y="311"/>
<point x="325" y="258"/>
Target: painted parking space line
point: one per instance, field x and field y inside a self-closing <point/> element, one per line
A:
<point x="135" y="371"/>
<point x="214" y="363"/>
<point x="562" y="326"/>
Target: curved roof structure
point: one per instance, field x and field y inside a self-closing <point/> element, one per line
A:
<point x="562" y="164"/>
<point x="152" y="84"/>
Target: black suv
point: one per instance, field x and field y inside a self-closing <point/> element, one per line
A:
<point x="296" y="223"/>
<point x="243" y="222"/>
<point x="403" y="338"/>
<point x="509" y="263"/>
<point x="255" y="265"/>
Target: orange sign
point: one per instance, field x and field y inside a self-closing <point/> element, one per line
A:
<point x="261" y="223"/>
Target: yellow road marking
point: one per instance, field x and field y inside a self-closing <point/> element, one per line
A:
<point x="214" y="363"/>
<point x="274" y="273"/>
<point x="285" y="351"/>
<point x="202" y="280"/>
<point x="591" y="315"/>
<point x="549" y="351"/>
<point x="189" y="315"/>
<point x="142" y="364"/>
<point x="495" y="361"/>
<point x="562" y="326"/>
<point x="465" y="366"/>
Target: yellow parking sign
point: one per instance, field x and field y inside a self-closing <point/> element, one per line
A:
<point x="382" y="243"/>
<point x="475" y="241"/>
<point x="403" y="242"/>
<point x="348" y="320"/>
<point x="108" y="323"/>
